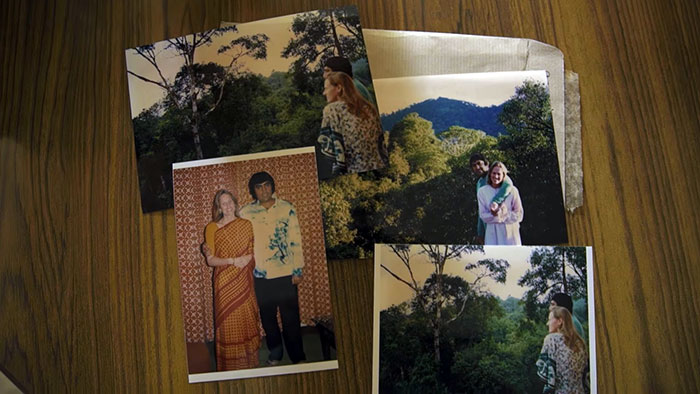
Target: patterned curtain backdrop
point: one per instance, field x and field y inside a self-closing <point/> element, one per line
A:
<point x="194" y="188"/>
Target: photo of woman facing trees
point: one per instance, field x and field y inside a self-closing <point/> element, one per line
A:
<point x="480" y="319"/>
<point x="244" y="88"/>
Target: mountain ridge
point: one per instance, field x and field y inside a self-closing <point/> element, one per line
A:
<point x="444" y="112"/>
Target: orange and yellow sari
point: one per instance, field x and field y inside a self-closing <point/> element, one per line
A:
<point x="236" y="314"/>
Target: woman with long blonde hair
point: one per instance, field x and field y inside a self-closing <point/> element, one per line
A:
<point x="356" y="120"/>
<point x="562" y="361"/>
<point x="228" y="247"/>
<point x="502" y="221"/>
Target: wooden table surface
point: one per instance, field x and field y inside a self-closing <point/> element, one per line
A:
<point x="89" y="296"/>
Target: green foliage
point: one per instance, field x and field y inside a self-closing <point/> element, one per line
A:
<point x="418" y="212"/>
<point x="403" y="335"/>
<point x="190" y="98"/>
<point x="416" y="138"/>
<point x="528" y="110"/>
<point x="487" y="146"/>
<point x="581" y="313"/>
<point x="530" y="149"/>
<point x="224" y="135"/>
<point x="457" y="140"/>
<point x="398" y="167"/>
<point x="353" y="191"/>
<point x="321" y="34"/>
<point x="338" y="230"/>
<point x="491" y="348"/>
<point x="252" y="114"/>
<point x="495" y="269"/>
<point x="447" y="292"/>
<point x="556" y="269"/>
<point x="489" y="368"/>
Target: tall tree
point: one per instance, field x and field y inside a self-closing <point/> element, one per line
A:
<point x="529" y="139"/>
<point x="416" y="138"/>
<point x="321" y="34"/>
<point x="193" y="81"/>
<point x="555" y="269"/>
<point x="432" y="297"/>
<point x="457" y="140"/>
<point x="531" y="156"/>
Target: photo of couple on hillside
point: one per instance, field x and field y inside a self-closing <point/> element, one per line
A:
<point x="472" y="160"/>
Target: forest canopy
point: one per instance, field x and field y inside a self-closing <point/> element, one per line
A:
<point x="455" y="335"/>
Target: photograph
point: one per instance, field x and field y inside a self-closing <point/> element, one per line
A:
<point x="472" y="160"/>
<point x="483" y="319"/>
<point x="279" y="83"/>
<point x="253" y="274"/>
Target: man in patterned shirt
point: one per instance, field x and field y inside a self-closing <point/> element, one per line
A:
<point x="279" y="261"/>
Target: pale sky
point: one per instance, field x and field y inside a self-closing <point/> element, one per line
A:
<point x="484" y="89"/>
<point x="392" y="292"/>
<point x="143" y="94"/>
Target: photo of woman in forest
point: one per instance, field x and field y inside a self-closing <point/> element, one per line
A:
<point x="470" y="319"/>
<point x="357" y="121"/>
<point x="228" y="247"/>
<point x="562" y="361"/>
<point x="502" y="221"/>
<point x="250" y="87"/>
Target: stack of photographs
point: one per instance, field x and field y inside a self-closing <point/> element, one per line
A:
<point x="278" y="151"/>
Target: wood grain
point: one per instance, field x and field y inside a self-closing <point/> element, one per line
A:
<point x="89" y="295"/>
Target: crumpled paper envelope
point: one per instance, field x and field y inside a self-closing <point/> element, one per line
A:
<point x="393" y="53"/>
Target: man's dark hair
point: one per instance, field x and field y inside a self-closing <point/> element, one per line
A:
<point x="341" y="64"/>
<point x="564" y="300"/>
<point x="477" y="156"/>
<point x="258" y="178"/>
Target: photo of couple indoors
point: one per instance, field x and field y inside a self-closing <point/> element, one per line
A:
<point x="256" y="252"/>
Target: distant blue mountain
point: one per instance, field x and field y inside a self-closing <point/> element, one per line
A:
<point x="444" y="112"/>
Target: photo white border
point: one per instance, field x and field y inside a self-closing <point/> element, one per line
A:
<point x="591" y="322"/>
<point x="262" y="371"/>
<point x="375" y="324"/>
<point x="249" y="156"/>
<point x="590" y="302"/>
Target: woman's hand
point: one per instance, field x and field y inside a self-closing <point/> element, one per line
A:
<point x="242" y="261"/>
<point x="211" y="259"/>
<point x="205" y="250"/>
<point x="238" y="262"/>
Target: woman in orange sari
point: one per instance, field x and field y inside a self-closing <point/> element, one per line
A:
<point x="229" y="249"/>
